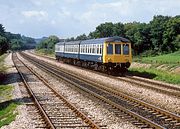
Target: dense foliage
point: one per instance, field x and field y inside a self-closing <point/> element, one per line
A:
<point x="14" y="41"/>
<point x="17" y="42"/>
<point x="161" y="35"/>
<point x="3" y="40"/>
<point x="48" y="44"/>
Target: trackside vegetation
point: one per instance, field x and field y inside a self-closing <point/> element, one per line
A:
<point x="171" y="58"/>
<point x="7" y="105"/>
<point x="46" y="52"/>
<point x="156" y="74"/>
<point x="161" y="67"/>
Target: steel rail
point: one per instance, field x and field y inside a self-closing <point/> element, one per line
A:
<point x="173" y="116"/>
<point x="80" y="114"/>
<point x="49" y="123"/>
<point x="172" y="91"/>
<point x="162" y="85"/>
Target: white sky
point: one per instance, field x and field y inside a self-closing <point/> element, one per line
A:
<point x="70" y="18"/>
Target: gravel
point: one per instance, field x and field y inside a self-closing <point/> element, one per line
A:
<point x="169" y="103"/>
<point x="94" y="108"/>
<point x="22" y="120"/>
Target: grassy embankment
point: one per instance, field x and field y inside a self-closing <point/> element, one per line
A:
<point x="45" y="52"/>
<point x="7" y="106"/>
<point x="170" y="61"/>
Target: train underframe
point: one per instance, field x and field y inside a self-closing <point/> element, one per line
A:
<point x="109" y="68"/>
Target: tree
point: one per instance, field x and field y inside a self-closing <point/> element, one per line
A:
<point x="104" y="30"/>
<point x="139" y="35"/>
<point x="82" y="37"/>
<point x="142" y="38"/>
<point x="48" y="43"/>
<point x="172" y="29"/>
<point x="16" y="44"/>
<point x="3" y="45"/>
<point x="93" y="35"/>
<point x="118" y="29"/>
<point x="3" y="40"/>
<point x="157" y="26"/>
<point x="2" y="30"/>
<point x="176" y="42"/>
<point x="130" y="30"/>
<point x="51" y="41"/>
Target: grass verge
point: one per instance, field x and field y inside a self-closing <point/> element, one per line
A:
<point x="156" y="74"/>
<point x="172" y="58"/>
<point x="7" y="113"/>
<point x="7" y="106"/>
<point x="45" y="52"/>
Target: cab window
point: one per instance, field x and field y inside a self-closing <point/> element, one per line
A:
<point x="117" y="48"/>
<point x="126" y="49"/>
<point x="109" y="48"/>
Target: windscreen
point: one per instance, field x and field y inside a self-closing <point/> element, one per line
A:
<point x="109" y="48"/>
<point x="126" y="49"/>
<point x="117" y="48"/>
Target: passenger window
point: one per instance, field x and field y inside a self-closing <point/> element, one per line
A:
<point x="100" y="50"/>
<point x="117" y="48"/>
<point x="88" y="49"/>
<point x="93" y="49"/>
<point x="109" y="48"/>
<point x="97" y="49"/>
<point x="126" y="49"/>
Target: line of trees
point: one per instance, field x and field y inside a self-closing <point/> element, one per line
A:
<point x="12" y="41"/>
<point x="160" y="35"/>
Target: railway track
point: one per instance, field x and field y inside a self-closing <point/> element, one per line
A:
<point x="153" y="85"/>
<point x="32" y="110"/>
<point x="164" y="88"/>
<point x="138" y="112"/>
<point x="56" y="111"/>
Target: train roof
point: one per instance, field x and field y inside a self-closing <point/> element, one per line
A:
<point x="96" y="41"/>
<point x="107" y="39"/>
<point x="69" y="43"/>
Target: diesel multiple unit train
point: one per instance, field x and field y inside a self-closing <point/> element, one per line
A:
<point x="111" y="54"/>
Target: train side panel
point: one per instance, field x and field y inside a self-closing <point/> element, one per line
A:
<point x="93" y="58"/>
<point x="71" y="55"/>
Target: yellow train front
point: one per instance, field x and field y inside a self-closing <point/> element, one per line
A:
<point x="111" y="54"/>
<point x="117" y="56"/>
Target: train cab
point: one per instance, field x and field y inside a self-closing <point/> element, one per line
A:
<point x="117" y="52"/>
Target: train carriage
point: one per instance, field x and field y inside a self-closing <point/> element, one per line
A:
<point x="111" y="54"/>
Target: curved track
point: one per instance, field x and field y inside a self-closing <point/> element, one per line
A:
<point x="55" y="109"/>
<point x="140" y="113"/>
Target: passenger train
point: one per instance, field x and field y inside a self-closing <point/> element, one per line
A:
<point x="111" y="54"/>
